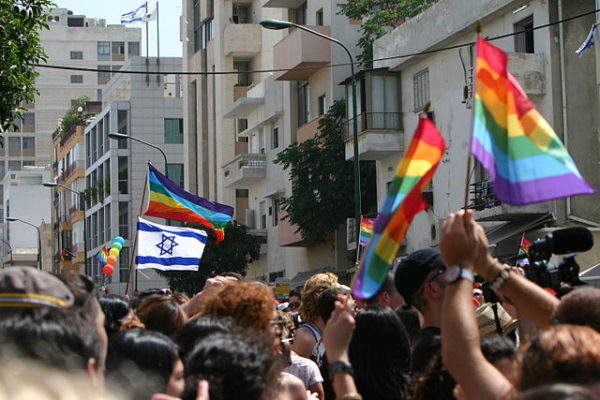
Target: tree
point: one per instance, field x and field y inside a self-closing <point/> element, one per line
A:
<point x="20" y="50"/>
<point x="233" y="254"/>
<point x="377" y="16"/>
<point x="323" y="181"/>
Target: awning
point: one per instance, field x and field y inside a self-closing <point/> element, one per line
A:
<point x="591" y="274"/>
<point x="302" y="277"/>
<point x="504" y="231"/>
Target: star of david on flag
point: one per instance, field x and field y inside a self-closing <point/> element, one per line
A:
<point x="169" y="248"/>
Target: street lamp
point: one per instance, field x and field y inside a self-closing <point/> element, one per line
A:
<point x="275" y="24"/>
<point x="122" y="136"/>
<point x="39" y="255"/>
<point x="81" y="197"/>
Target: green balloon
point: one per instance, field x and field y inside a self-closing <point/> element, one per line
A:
<point x="117" y="246"/>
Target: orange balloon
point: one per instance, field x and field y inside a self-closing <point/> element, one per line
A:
<point x="111" y="260"/>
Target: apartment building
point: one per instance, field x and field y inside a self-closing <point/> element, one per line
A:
<point x="148" y="108"/>
<point x="238" y="123"/>
<point x="563" y="86"/>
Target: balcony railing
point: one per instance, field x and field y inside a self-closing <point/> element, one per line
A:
<point x="72" y="167"/>
<point x="483" y="196"/>
<point x="374" y="121"/>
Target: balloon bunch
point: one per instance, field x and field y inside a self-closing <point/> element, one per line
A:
<point x="113" y="255"/>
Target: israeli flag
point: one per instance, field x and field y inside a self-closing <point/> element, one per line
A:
<point x="588" y="43"/>
<point x="137" y="15"/>
<point x="169" y="248"/>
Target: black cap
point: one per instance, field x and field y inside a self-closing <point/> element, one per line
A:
<point x="413" y="270"/>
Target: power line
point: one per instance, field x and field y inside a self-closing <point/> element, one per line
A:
<point x="453" y="47"/>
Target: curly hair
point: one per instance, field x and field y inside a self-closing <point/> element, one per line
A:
<point x="314" y="286"/>
<point x="563" y="353"/>
<point x="249" y="304"/>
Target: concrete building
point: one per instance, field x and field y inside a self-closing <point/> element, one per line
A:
<point x="563" y="86"/>
<point x="27" y="200"/>
<point x="238" y="123"/>
<point x="116" y="171"/>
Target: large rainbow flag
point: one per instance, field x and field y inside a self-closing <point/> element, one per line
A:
<point x="522" y="154"/>
<point x="169" y="201"/>
<point x="403" y="202"/>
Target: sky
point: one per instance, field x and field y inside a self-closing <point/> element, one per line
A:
<point x="111" y="10"/>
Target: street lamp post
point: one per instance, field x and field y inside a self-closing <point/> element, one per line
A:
<point x="39" y="255"/>
<point x="81" y="197"/>
<point x="122" y="136"/>
<point x="277" y="25"/>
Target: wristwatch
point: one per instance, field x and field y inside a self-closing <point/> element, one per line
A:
<point x="454" y="273"/>
<point x="337" y="367"/>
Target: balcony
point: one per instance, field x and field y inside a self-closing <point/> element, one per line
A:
<point x="71" y="170"/>
<point x="300" y="49"/>
<point x="380" y="134"/>
<point x="282" y="3"/>
<point x="242" y="107"/>
<point x="242" y="40"/>
<point x="528" y="69"/>
<point x="244" y="170"/>
<point x="308" y="130"/>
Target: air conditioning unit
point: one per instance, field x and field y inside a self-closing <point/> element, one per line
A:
<point x="350" y="233"/>
<point x="250" y="221"/>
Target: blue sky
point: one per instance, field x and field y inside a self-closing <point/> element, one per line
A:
<point x="111" y="10"/>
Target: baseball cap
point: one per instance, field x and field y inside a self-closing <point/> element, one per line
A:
<point x="29" y="287"/>
<point x="413" y="270"/>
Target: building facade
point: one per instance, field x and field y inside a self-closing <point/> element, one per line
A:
<point x="237" y="123"/>
<point x="148" y="108"/>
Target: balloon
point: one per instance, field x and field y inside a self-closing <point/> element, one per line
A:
<point x="111" y="260"/>
<point x="108" y="269"/>
<point x="119" y="240"/>
<point x="114" y="252"/>
<point x="117" y="246"/>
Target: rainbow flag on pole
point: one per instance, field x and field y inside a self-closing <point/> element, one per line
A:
<point x="169" y="201"/>
<point x="403" y="202"/>
<point x="102" y="255"/>
<point x="524" y="157"/>
<point x="366" y="231"/>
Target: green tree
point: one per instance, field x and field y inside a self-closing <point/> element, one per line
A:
<point x="74" y="117"/>
<point x="20" y="50"/>
<point x="323" y="181"/>
<point x="377" y="16"/>
<point x="233" y="254"/>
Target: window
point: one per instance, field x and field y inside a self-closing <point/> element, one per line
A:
<point x="14" y="165"/>
<point x="524" y="40"/>
<point x="274" y="275"/>
<point x="322" y="105"/>
<point x="275" y="214"/>
<point x="263" y="216"/>
<point x="173" y="130"/>
<point x="118" y="51"/>
<point x="76" y="78"/>
<point x="244" y="78"/>
<point x="28" y="163"/>
<point x="319" y="17"/>
<point x="303" y="111"/>
<point x="75" y="21"/>
<point x="28" y="122"/>
<point x="124" y="265"/>
<point x="77" y="55"/>
<point x="103" y="51"/>
<point x="241" y="193"/>
<point x="300" y="14"/>
<point x="275" y="138"/>
<point x="123" y="175"/>
<point x="29" y="146"/>
<point x="175" y="173"/>
<point x="197" y="26"/>
<point x="133" y="49"/>
<point x="14" y="146"/>
<point x="242" y="13"/>
<point x="98" y="94"/>
<point x="421" y="89"/>
<point x="123" y="219"/>
<point x="122" y="127"/>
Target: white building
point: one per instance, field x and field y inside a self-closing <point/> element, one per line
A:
<point x="146" y="109"/>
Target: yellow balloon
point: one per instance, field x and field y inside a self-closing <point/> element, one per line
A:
<point x="114" y="252"/>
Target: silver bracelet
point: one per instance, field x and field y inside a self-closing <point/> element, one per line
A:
<point x="500" y="279"/>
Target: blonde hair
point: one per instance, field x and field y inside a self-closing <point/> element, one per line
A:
<point x="314" y="286"/>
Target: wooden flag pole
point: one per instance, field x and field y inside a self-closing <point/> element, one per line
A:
<point x="135" y="241"/>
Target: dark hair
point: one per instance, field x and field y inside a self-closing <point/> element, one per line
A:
<point x="236" y="366"/>
<point x="496" y="348"/>
<point x="295" y="292"/>
<point x="161" y="313"/>
<point x="199" y="328"/>
<point x="410" y="319"/>
<point x="380" y="354"/>
<point x="115" y="309"/>
<point x="558" y="391"/>
<point x="136" y="351"/>
<point x="326" y="301"/>
<point x="580" y="307"/>
<point x="387" y="286"/>
<point x="435" y="382"/>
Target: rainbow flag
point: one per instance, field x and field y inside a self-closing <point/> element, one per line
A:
<point x="366" y="231"/>
<point x="522" y="154"/>
<point x="102" y="255"/>
<point x="403" y="202"/>
<point x="169" y="201"/>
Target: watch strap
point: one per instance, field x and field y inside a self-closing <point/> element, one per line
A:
<point x="337" y="367"/>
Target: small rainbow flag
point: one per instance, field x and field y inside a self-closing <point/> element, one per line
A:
<point x="102" y="255"/>
<point x="169" y="201"/>
<point x="366" y="231"/>
<point x="403" y="202"/>
<point x="522" y="154"/>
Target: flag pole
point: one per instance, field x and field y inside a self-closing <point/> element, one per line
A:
<point x="147" y="50"/>
<point x="157" y="43"/>
<point x="469" y="156"/>
<point x="135" y="241"/>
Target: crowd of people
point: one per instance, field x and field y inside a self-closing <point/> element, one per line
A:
<point x="429" y="333"/>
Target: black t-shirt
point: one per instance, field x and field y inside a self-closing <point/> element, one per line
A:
<point x="428" y="345"/>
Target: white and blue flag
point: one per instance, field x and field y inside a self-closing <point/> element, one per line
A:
<point x="138" y="15"/>
<point x="589" y="41"/>
<point x="169" y="248"/>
